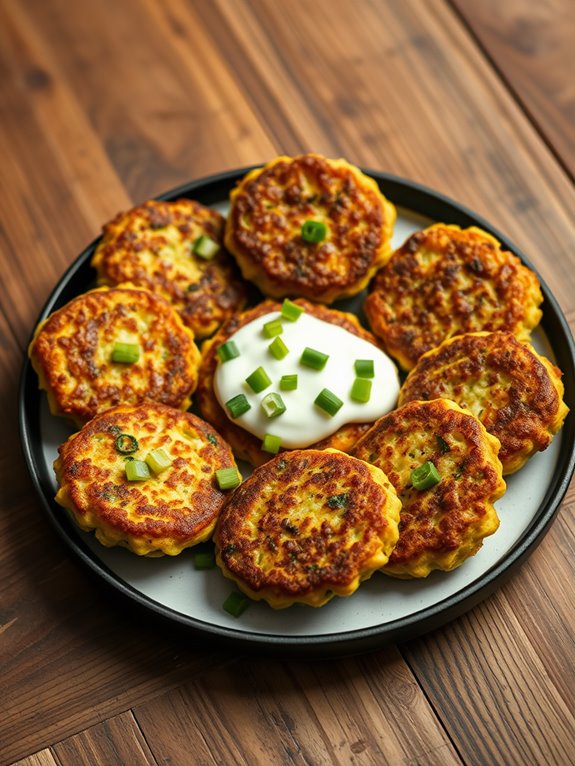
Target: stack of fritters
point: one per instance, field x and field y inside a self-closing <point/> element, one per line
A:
<point x="452" y="307"/>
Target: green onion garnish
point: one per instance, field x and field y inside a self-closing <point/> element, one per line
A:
<point x="236" y="603"/>
<point x="127" y="353"/>
<point x="237" y="405"/>
<point x="273" y="405"/>
<point x="278" y="348"/>
<point x="425" y="476"/>
<point x="227" y="351"/>
<point x="314" y="359"/>
<point x="328" y="402"/>
<point x="137" y="470"/>
<point x="205" y="247"/>
<point x="361" y="390"/>
<point x="291" y="311"/>
<point x="125" y="444"/>
<point x="204" y="560"/>
<point x="158" y="460"/>
<point x="364" y="368"/>
<point x="273" y="328"/>
<point x="271" y="444"/>
<point x="258" y="380"/>
<point x="313" y="231"/>
<point x="288" y="382"/>
<point x="228" y="478"/>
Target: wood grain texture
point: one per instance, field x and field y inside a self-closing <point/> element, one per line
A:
<point x="105" y="104"/>
<point x="532" y="47"/>
<point x="367" y="710"/>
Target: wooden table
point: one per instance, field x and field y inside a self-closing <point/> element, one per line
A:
<point x="105" y="104"/>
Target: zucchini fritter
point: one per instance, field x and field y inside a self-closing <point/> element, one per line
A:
<point x="440" y="526"/>
<point x="445" y="281"/>
<point x="514" y="391"/>
<point x="269" y="207"/>
<point x="72" y="350"/>
<point x="306" y="526"/>
<point x="163" y="514"/>
<point x="152" y="246"/>
<point x="246" y="446"/>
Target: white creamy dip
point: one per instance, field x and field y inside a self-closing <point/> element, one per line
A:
<point x="304" y="423"/>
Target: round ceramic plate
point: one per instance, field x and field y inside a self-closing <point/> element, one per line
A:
<point x="383" y="610"/>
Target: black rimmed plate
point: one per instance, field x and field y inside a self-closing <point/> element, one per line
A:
<point x="383" y="610"/>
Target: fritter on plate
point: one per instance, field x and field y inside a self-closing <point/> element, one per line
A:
<point x="172" y="508"/>
<point x="175" y="250"/>
<point x="445" y="470"/>
<point x="515" y="392"/>
<point x="445" y="281"/>
<point x="309" y="226"/>
<point x="112" y="346"/>
<point x="246" y="446"/>
<point x="308" y="525"/>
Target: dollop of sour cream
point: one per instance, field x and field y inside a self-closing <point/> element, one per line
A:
<point x="303" y="422"/>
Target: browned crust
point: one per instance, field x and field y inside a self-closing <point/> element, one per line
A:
<point x="447" y="281"/>
<point x="246" y="446"/>
<point x="269" y="207"/>
<point x="135" y="248"/>
<point x="70" y="353"/>
<point x="516" y="393"/>
<point x="307" y="522"/>
<point x="162" y="515"/>
<point x="438" y="526"/>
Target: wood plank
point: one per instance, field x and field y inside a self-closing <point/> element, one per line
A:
<point x="367" y="710"/>
<point x="532" y="46"/>
<point x="42" y="758"/>
<point x="508" y="708"/>
<point x="117" y="740"/>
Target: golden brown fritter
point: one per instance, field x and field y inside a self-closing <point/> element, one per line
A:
<point x="246" y="446"/>
<point x="306" y="526"/>
<point x="152" y="246"/>
<point x="163" y="514"/>
<point x="514" y="391"/>
<point x="441" y="526"/>
<point x="269" y="207"/>
<point x="72" y="349"/>
<point x="446" y="281"/>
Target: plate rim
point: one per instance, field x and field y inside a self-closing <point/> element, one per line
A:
<point x="421" y="200"/>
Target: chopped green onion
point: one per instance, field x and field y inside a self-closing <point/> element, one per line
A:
<point x="278" y="348"/>
<point x="361" y="390"/>
<point x="425" y="476"/>
<point x="364" y="368"/>
<point x="291" y="311"/>
<point x="137" y="470"/>
<point x="236" y="603"/>
<point x="442" y="444"/>
<point x="125" y="444"/>
<point x="338" y="501"/>
<point x="288" y="382"/>
<point x="127" y="353"/>
<point x="313" y="231"/>
<point x="271" y="444"/>
<point x="328" y="402"/>
<point x="258" y="380"/>
<point x="273" y="328"/>
<point x="314" y="359"/>
<point x="205" y="247"/>
<point x="158" y="460"/>
<point x="237" y="405"/>
<point x="273" y="405"/>
<point x="228" y="478"/>
<point x="227" y="351"/>
<point x="204" y="560"/>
